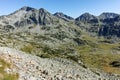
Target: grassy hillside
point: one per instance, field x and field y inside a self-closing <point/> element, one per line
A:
<point x="95" y="53"/>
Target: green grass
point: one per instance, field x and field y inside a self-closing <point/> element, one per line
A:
<point x="99" y="57"/>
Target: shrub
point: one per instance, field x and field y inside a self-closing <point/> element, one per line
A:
<point x="27" y="48"/>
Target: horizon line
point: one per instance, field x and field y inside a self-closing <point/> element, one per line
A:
<point x="60" y="12"/>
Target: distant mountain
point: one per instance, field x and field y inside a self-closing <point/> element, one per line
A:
<point x="28" y="16"/>
<point x="107" y="15"/>
<point x="63" y="16"/>
<point x="86" y="17"/>
<point x="106" y="24"/>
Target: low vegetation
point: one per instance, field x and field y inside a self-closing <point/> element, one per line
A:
<point x="100" y="57"/>
<point x="3" y="74"/>
<point x="27" y="48"/>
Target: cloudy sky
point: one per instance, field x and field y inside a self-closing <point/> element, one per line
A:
<point x="73" y="8"/>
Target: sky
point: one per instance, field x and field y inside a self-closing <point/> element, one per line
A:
<point x="72" y="8"/>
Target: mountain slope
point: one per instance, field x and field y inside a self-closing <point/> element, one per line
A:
<point x="30" y="67"/>
<point x="37" y="21"/>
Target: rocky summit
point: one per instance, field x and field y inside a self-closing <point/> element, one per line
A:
<point x="63" y="16"/>
<point x="86" y="17"/>
<point x="38" y="45"/>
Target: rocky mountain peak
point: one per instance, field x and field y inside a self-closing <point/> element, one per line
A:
<point x="86" y="17"/>
<point x="42" y="10"/>
<point x="26" y="8"/>
<point x="20" y="12"/>
<point x="86" y="14"/>
<point x="63" y="16"/>
<point x="45" y="17"/>
<point x="106" y="15"/>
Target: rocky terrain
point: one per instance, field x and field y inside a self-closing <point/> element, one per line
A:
<point x="38" y="45"/>
<point x="31" y="67"/>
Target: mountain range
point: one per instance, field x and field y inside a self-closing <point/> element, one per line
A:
<point x="106" y="24"/>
